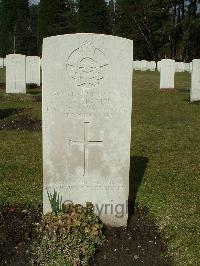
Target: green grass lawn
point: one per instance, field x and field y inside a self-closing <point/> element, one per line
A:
<point x="165" y="135"/>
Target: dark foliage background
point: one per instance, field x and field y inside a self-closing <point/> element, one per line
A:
<point x="159" y="28"/>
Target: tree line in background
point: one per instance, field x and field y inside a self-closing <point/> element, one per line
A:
<point x="159" y="28"/>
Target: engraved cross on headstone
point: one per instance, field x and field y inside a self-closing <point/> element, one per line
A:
<point x="16" y="80"/>
<point x="86" y="143"/>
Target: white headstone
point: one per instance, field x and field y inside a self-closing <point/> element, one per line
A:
<point x="137" y="65"/>
<point x="180" y="66"/>
<point x="195" y="85"/>
<point x="177" y="67"/>
<point x="187" y="67"/>
<point x="158" y="65"/>
<point x="33" y="70"/>
<point x="152" y="66"/>
<point x="191" y="67"/>
<point x="16" y="73"/>
<point x="87" y="99"/>
<point x="144" y="65"/>
<point x="1" y="63"/>
<point x="167" y="74"/>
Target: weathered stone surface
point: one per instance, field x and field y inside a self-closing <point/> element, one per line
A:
<point x="87" y="101"/>
<point x="33" y="70"/>
<point x="15" y="73"/>
<point x="167" y="74"/>
<point x="195" y="84"/>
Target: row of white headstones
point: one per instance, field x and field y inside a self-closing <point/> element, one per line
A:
<point x="21" y="70"/>
<point x="86" y="118"/>
<point x="144" y="65"/>
<point x="168" y="68"/>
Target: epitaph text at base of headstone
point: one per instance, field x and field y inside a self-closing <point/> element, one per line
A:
<point x="87" y="101"/>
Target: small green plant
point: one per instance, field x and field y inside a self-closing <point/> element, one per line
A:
<point x="55" y="202"/>
<point x="69" y="238"/>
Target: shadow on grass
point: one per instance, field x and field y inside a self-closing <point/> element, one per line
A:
<point x="196" y="102"/>
<point x="8" y="112"/>
<point x="193" y="103"/>
<point x="35" y="92"/>
<point x="138" y="166"/>
<point x="183" y="90"/>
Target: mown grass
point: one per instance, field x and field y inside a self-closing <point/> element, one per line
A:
<point x="21" y="151"/>
<point x="165" y="132"/>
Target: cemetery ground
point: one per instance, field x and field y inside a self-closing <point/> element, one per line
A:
<point x="164" y="177"/>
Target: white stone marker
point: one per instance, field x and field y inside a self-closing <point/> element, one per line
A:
<point x="137" y="65"/>
<point x="190" y="67"/>
<point x="33" y="70"/>
<point x="180" y="66"/>
<point x="158" y="65"/>
<point x="16" y="73"/>
<point x="87" y="101"/>
<point x="187" y="67"/>
<point x="195" y="84"/>
<point x="177" y="67"/>
<point x="152" y="66"/>
<point x="1" y="63"/>
<point x="144" y="65"/>
<point x="167" y="74"/>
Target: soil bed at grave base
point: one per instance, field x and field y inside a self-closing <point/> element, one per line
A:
<point x="139" y="244"/>
<point x="23" y="121"/>
<point x="16" y="233"/>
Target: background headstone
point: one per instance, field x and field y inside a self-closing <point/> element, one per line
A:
<point x="195" y="81"/>
<point x="137" y="65"/>
<point x="180" y="66"/>
<point x="158" y="65"/>
<point x="33" y="70"/>
<point x="15" y="73"/>
<point x="87" y="101"/>
<point x="167" y="74"/>
<point x="187" y="67"/>
<point x="144" y="65"/>
<point x="1" y="63"/>
<point x="152" y="66"/>
<point x="191" y="67"/>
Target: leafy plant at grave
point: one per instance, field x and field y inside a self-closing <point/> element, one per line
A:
<point x="69" y="238"/>
<point x="55" y="202"/>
